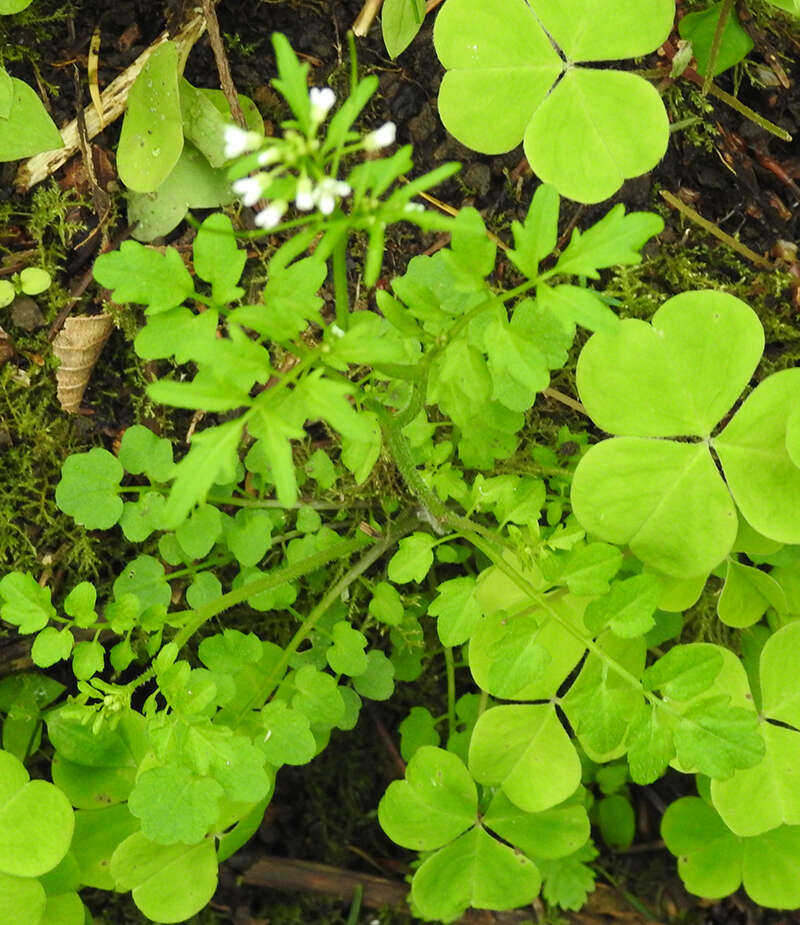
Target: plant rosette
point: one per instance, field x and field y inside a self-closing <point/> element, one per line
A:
<point x="517" y="74"/>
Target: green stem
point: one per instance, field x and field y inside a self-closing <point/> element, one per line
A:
<point x="716" y="41"/>
<point x="340" y="283"/>
<point x="451" y="690"/>
<point x="334" y="593"/>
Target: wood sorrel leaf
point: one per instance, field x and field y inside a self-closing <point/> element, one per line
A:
<point x="780" y="668"/>
<point x="565" y="649"/>
<point x="151" y="871"/>
<point x="97" y="834"/>
<point x="436" y="802"/>
<point x="665" y="499"/>
<point x="578" y="136"/>
<point x="509" y="55"/>
<point x="767" y="795"/>
<point x="763" y="479"/>
<point x="527" y="751"/>
<point x="713" y="862"/>
<point x="583" y="141"/>
<point x="416" y="730"/>
<point x="22" y="900"/>
<point x="36" y="821"/>
<point x="689" y="365"/>
<point x="553" y="833"/>
<point x="151" y="139"/>
<point x="475" y="870"/>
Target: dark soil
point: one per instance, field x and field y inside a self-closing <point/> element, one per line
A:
<point x="728" y="169"/>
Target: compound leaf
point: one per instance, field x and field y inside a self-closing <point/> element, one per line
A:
<point x="780" y="668"/>
<point x="413" y="558"/>
<point x="457" y="610"/>
<point x="26" y="604"/>
<point x="174" y="805"/>
<point x="716" y="739"/>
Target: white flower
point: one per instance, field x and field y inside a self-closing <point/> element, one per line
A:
<point x="381" y="138"/>
<point x="238" y="140"/>
<point x="413" y="207"/>
<point x="304" y="197"/>
<point x="248" y="189"/>
<point x="327" y="191"/>
<point x="269" y="156"/>
<point x="271" y="216"/>
<point x="322" y="99"/>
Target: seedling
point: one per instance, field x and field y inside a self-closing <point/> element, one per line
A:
<point x="30" y="281"/>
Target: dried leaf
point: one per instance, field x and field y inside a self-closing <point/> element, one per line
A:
<point x="78" y="346"/>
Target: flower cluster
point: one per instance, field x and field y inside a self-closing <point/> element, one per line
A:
<point x="288" y="169"/>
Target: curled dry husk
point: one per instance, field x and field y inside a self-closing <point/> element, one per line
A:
<point x="78" y="345"/>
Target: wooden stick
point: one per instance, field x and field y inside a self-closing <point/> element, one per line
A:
<point x="113" y="100"/>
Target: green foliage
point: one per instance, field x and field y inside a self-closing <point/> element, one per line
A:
<point x="699" y="29"/>
<point x="513" y="77"/>
<point x="400" y="22"/>
<point x="277" y="576"/>
<point x="171" y="150"/>
<point x="25" y="126"/>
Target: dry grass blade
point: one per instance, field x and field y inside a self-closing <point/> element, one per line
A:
<point x="78" y="346"/>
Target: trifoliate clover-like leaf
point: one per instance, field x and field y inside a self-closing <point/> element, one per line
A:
<point x="713" y="862"/>
<point x="664" y="498"/>
<point x="747" y="594"/>
<point x="763" y="477"/>
<point x="553" y="833"/>
<point x="25" y="603"/>
<point x="506" y="82"/>
<point x="88" y="489"/>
